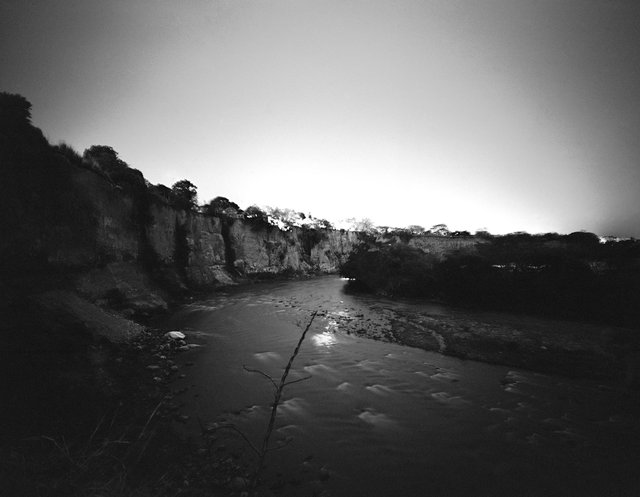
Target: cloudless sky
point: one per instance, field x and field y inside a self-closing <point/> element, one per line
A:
<point x="508" y="115"/>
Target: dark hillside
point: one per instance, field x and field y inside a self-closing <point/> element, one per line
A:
<point x="571" y="276"/>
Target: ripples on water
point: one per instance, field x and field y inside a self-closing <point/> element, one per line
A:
<point x="381" y="419"/>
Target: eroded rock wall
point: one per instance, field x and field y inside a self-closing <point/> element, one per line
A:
<point x="261" y="248"/>
<point x="206" y="258"/>
<point x="333" y="249"/>
<point x="200" y="237"/>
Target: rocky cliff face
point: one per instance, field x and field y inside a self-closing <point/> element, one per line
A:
<point x="112" y="228"/>
<point x="107" y="221"/>
<point x="191" y="242"/>
<point x="261" y="248"/>
<point x="122" y="249"/>
<point x="333" y="249"/>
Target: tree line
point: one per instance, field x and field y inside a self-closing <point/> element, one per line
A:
<point x="573" y="276"/>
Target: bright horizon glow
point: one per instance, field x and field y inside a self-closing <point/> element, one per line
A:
<point x="497" y="115"/>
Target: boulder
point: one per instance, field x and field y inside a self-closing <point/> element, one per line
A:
<point x="175" y="335"/>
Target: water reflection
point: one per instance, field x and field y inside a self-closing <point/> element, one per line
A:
<point x="325" y="339"/>
<point x="405" y="421"/>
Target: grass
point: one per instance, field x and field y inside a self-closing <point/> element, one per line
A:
<point x="100" y="465"/>
<point x="69" y="431"/>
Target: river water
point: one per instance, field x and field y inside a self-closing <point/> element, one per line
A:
<point x="382" y="419"/>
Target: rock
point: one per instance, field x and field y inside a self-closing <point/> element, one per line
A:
<point x="175" y="335"/>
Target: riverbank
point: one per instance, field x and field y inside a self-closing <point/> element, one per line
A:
<point x="565" y="348"/>
<point x="89" y="404"/>
<point x="79" y="397"/>
<point x="569" y="348"/>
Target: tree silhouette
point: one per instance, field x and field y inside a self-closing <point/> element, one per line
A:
<point x="184" y="195"/>
<point x="255" y="212"/>
<point x="104" y="158"/>
<point x="14" y="109"/>
<point x="221" y="206"/>
<point x="440" y="230"/>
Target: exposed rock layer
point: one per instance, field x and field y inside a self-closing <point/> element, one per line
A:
<point x="189" y="242"/>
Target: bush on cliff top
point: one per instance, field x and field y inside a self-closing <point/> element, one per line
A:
<point x="394" y="270"/>
<point x="184" y="195"/>
<point x="221" y="207"/>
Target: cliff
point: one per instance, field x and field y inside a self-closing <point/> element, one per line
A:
<point x="95" y="227"/>
<point x="117" y="244"/>
<point x="103" y="233"/>
<point x="260" y="248"/>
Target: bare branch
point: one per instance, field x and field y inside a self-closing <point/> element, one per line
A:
<point x="250" y="370"/>
<point x="239" y="432"/>
<point x="298" y="380"/>
<point x="274" y="408"/>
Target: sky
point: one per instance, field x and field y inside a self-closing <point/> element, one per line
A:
<point x="504" y="115"/>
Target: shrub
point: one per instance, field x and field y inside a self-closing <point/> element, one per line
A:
<point x="221" y="207"/>
<point x="69" y="153"/>
<point x="14" y="109"/>
<point x="396" y="270"/>
<point x="184" y="195"/>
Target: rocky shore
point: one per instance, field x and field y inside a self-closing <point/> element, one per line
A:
<point x="89" y="404"/>
<point x="568" y="348"/>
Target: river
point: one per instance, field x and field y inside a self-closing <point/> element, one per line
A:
<point x="381" y="419"/>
